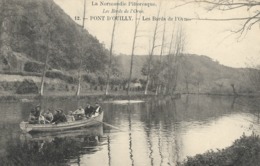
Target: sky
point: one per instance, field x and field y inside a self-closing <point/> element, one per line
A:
<point x="211" y="38"/>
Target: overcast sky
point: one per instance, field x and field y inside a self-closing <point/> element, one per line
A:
<point x="210" y="38"/>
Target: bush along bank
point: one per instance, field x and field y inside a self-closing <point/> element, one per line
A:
<point x="244" y="152"/>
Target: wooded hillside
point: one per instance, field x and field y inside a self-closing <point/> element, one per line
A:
<point x="30" y="28"/>
<point x="194" y="70"/>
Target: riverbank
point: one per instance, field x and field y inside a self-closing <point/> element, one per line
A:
<point x="244" y="152"/>
<point x="255" y="94"/>
<point x="100" y="96"/>
<point x="91" y="96"/>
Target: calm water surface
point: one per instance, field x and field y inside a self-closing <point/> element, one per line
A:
<point x="157" y="132"/>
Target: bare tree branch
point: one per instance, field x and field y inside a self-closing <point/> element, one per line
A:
<point x="224" y="19"/>
<point x="228" y="5"/>
<point x="222" y="3"/>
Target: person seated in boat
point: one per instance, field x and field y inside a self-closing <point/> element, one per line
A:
<point x="37" y="111"/>
<point x="41" y="119"/>
<point x="34" y="115"/>
<point x="48" y="116"/>
<point x="62" y="116"/>
<point x="80" y="110"/>
<point x="32" y="118"/>
<point x="70" y="117"/>
<point x="57" y="117"/>
<point x="79" y="114"/>
<point x="89" y="110"/>
<point x="97" y="109"/>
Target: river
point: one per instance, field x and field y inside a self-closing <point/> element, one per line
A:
<point x="152" y="133"/>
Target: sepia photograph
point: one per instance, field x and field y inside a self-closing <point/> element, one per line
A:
<point x="129" y="82"/>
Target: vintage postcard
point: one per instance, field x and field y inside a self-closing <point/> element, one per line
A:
<point x="129" y="82"/>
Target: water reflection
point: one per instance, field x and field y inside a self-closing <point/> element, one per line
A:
<point x="130" y="136"/>
<point x="108" y="149"/>
<point x="158" y="132"/>
<point x="53" y="148"/>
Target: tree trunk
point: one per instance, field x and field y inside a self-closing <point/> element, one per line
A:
<point x="81" y="53"/>
<point x="151" y="53"/>
<point x="42" y="81"/>
<point x="44" y="72"/>
<point x="161" y="53"/>
<point x="146" y="86"/>
<point x="110" y="54"/>
<point x="234" y="89"/>
<point x="174" y="61"/>
<point x="167" y="88"/>
<point x="133" y="49"/>
<point x="79" y="80"/>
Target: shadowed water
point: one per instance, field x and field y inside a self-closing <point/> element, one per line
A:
<point x="157" y="132"/>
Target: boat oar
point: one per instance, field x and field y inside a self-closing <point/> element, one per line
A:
<point x="109" y="125"/>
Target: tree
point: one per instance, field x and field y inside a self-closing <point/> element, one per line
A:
<point x="198" y="79"/>
<point x="173" y="61"/>
<point x="169" y="62"/>
<point x="254" y="77"/>
<point x="251" y="8"/>
<point x="136" y="25"/>
<point x="111" y="51"/>
<point x="233" y="89"/>
<point x="158" y="88"/>
<point x="187" y="69"/>
<point x="81" y="52"/>
<point x="27" y="86"/>
<point x="253" y="74"/>
<point x="48" y="29"/>
<point x="220" y="86"/>
<point x="155" y="32"/>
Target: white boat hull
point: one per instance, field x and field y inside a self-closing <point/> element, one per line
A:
<point x="26" y="127"/>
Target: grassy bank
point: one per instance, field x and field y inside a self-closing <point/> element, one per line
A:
<point x="244" y="152"/>
<point x="91" y="95"/>
<point x="99" y="95"/>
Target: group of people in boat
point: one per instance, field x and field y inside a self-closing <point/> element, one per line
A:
<point x="38" y="117"/>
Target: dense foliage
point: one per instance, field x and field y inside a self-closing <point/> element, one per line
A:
<point x="27" y="86"/>
<point x="244" y="152"/>
<point x="37" y="28"/>
<point x="60" y="75"/>
<point x="33" y="67"/>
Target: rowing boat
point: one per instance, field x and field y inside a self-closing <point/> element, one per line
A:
<point x="26" y="127"/>
<point x="96" y="130"/>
